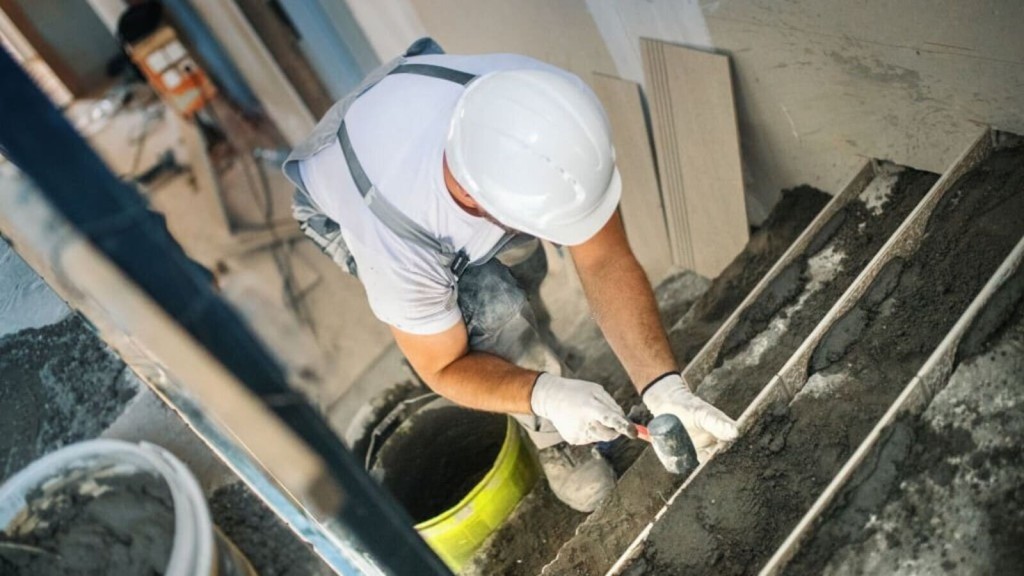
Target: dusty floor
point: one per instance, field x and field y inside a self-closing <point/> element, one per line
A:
<point x="773" y="328"/>
<point x="268" y="543"/>
<point x="740" y="508"/>
<point x="961" y="464"/>
<point x="692" y="309"/>
<point x="61" y="385"/>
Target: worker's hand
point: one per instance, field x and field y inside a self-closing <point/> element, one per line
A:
<point x="707" y="426"/>
<point x="582" y="412"/>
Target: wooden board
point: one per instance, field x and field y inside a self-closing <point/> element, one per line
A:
<point x="642" y="212"/>
<point x="697" y="145"/>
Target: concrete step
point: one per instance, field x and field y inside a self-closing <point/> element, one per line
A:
<point x="760" y="335"/>
<point x="734" y="511"/>
<point x="977" y="368"/>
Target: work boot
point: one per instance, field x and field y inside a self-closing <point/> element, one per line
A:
<point x="578" y="475"/>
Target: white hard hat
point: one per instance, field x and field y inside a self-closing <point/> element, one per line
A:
<point x="534" y="149"/>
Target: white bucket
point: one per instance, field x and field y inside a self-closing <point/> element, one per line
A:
<point x="193" y="549"/>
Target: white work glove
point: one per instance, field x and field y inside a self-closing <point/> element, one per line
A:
<point x="707" y="426"/>
<point x="581" y="411"/>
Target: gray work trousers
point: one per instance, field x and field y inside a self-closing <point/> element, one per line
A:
<point x="504" y="315"/>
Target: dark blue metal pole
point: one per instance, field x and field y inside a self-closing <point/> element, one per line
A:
<point x="214" y="58"/>
<point x="115" y="218"/>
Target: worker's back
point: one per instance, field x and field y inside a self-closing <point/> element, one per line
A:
<point x="398" y="130"/>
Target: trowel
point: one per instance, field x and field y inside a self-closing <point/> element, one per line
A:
<point x="671" y="443"/>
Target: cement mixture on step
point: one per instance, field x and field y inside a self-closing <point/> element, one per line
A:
<point x="97" y="525"/>
<point x="945" y="493"/>
<point x="691" y="311"/>
<point x="740" y="508"/>
<point x="773" y="327"/>
<point x="269" y="544"/>
<point x="60" y="384"/>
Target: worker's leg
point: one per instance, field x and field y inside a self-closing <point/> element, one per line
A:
<point x="501" y="321"/>
<point x="528" y="264"/>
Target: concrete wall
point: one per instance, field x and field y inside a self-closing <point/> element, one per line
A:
<point x="69" y="36"/>
<point x="820" y="84"/>
<point x="560" y="32"/>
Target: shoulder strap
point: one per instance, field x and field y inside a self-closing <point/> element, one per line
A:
<point x="434" y="71"/>
<point x="403" y="226"/>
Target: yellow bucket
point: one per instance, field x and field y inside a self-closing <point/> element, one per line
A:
<point x="457" y="533"/>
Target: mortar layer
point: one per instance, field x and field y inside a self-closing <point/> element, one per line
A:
<point x="60" y="384"/>
<point x="960" y="467"/>
<point x="96" y="526"/>
<point x="788" y="219"/>
<point x="774" y="326"/>
<point x="737" y="512"/>
<point x="271" y="547"/>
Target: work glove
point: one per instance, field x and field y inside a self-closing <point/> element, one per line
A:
<point x="707" y="426"/>
<point x="581" y="411"/>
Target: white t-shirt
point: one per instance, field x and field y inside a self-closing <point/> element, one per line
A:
<point x="398" y="130"/>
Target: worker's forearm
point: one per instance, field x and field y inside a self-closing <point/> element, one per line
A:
<point x="485" y="382"/>
<point x="623" y="304"/>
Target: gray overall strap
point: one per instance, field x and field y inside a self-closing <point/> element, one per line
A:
<point x="400" y="224"/>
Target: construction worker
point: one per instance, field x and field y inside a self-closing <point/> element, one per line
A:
<point x="431" y="182"/>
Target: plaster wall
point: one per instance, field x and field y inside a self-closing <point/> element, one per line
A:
<point x="562" y="33"/>
<point x="823" y="83"/>
<point x="820" y="84"/>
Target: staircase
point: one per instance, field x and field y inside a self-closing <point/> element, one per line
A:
<point x="875" y="371"/>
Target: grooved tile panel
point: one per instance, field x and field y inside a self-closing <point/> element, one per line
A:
<point x="642" y="212"/>
<point x="697" y="145"/>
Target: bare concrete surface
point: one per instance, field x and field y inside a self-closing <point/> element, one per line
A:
<point x="27" y="301"/>
<point x="770" y="330"/>
<point x="692" y="309"/>
<point x="739" y="509"/>
<point x="944" y="493"/>
<point x="268" y="543"/>
<point x="61" y="385"/>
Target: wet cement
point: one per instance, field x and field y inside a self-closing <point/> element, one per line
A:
<point x="437" y="456"/>
<point x="268" y="543"/>
<point x="741" y="507"/>
<point x="960" y="466"/>
<point x="691" y="310"/>
<point x="107" y="525"/>
<point x="788" y="219"/>
<point x="58" y="384"/>
<point x="774" y="326"/>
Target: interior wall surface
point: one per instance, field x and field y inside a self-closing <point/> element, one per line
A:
<point x="69" y="36"/>
<point x="561" y="32"/>
<point x="822" y="84"/>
